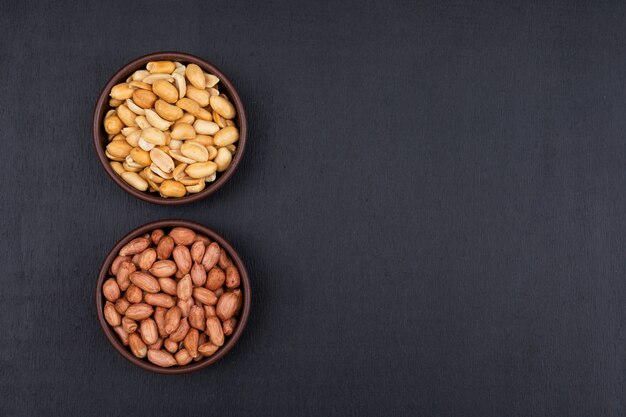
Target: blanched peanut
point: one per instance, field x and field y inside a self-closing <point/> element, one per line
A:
<point x="171" y="188"/>
<point x="195" y="151"/>
<point x="135" y="180"/>
<point x="117" y="167"/>
<point x="199" y="96"/>
<point x="161" y="67"/>
<point x="223" y="107"/>
<point x="223" y="159"/>
<point x="141" y="157"/>
<point x="201" y="169"/>
<point x="153" y="135"/>
<point x="121" y="91"/>
<point x="188" y="105"/>
<point x="126" y="115"/>
<point x="195" y="75"/>
<point x="168" y="111"/>
<point x="165" y="90"/>
<point x="157" y="121"/>
<point x="226" y="136"/>
<point x="144" y="98"/>
<point x="183" y="131"/>
<point x="119" y="149"/>
<point x="113" y="125"/>
<point x="204" y="127"/>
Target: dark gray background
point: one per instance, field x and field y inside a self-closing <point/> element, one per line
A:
<point x="431" y="207"/>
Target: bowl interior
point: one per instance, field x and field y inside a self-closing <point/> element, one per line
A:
<point x="101" y="138"/>
<point x="242" y="319"/>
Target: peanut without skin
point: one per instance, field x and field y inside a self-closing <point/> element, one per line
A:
<point x="172" y="298"/>
<point x="179" y="111"/>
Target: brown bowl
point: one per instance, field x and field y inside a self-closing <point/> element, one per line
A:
<point x="101" y="139"/>
<point x="194" y="366"/>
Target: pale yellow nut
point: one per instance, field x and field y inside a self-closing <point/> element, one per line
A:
<point x="121" y="91"/>
<point x="115" y="102"/>
<point x="192" y="189"/>
<point x="142" y="122"/>
<point x="141" y="157"/>
<point x="204" y="127"/>
<point x="119" y="149"/>
<point x="117" y="167"/>
<point x="195" y="151"/>
<point x="135" y="180"/>
<point x="199" y="96"/>
<point x="177" y="155"/>
<point x="181" y="85"/>
<point x="154" y="168"/>
<point x="226" y="136"/>
<point x="211" y="178"/>
<point x="152" y="78"/>
<point x="187" y="118"/>
<point x="224" y="107"/>
<point x="188" y="105"/>
<point x="229" y="122"/>
<point x="179" y="66"/>
<point x="133" y="138"/>
<point x="168" y="111"/>
<point x="157" y="121"/>
<point x="131" y="163"/>
<point x="134" y="108"/>
<point x="175" y="144"/>
<point x="113" y="125"/>
<point x="204" y="140"/>
<point x="204" y="114"/>
<point x="109" y="113"/>
<point x="139" y="75"/>
<point x="160" y="67"/>
<point x="146" y="146"/>
<point x="162" y="160"/>
<point x="223" y="159"/>
<point x="221" y="122"/>
<point x="179" y="171"/>
<point x="113" y="158"/>
<point x="210" y="80"/>
<point x="144" y="98"/>
<point x="151" y="176"/>
<point x="126" y="115"/>
<point x="140" y="84"/>
<point x="129" y="129"/>
<point x="171" y="188"/>
<point x="165" y="90"/>
<point x="232" y="148"/>
<point x="195" y="75"/>
<point x="130" y="168"/>
<point x="213" y="91"/>
<point x="183" y="131"/>
<point x="119" y="136"/>
<point x="201" y="169"/>
<point x="212" y="150"/>
<point x="188" y="181"/>
<point x="153" y="135"/>
<point x="154" y="187"/>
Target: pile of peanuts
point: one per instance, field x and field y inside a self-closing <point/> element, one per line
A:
<point x="170" y="130"/>
<point x="172" y="298"/>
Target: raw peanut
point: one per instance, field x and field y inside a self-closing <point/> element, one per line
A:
<point x="183" y="357"/>
<point x="183" y="236"/>
<point x="201" y="169"/>
<point x="209" y="311"/>
<point x="162" y="160"/>
<point x="189" y="105"/>
<point x="147" y="258"/>
<point x="134" y="294"/>
<point x="111" y="315"/>
<point x="165" y="90"/>
<point x="149" y="332"/>
<point x="139" y="311"/>
<point x="195" y="75"/>
<point x="161" y="358"/>
<point x="168" y="285"/>
<point x="122" y="335"/>
<point x="129" y="326"/>
<point x="180" y="333"/>
<point x="168" y="111"/>
<point x="121" y="305"/>
<point x="135" y="246"/>
<point x="214" y="331"/>
<point x="121" y="91"/>
<point x="219" y="292"/>
<point x="119" y="149"/>
<point x="202" y="238"/>
<point x="232" y="277"/>
<point x="194" y="151"/>
<point x="224" y="261"/>
<point x="223" y="159"/>
<point x="197" y="251"/>
<point x="157" y="121"/>
<point x="181" y="85"/>
<point x="156" y="345"/>
<point x="126" y="115"/>
<point x="215" y="279"/>
<point x="159" y="319"/>
<point x="172" y="319"/>
<point x="207" y="349"/>
<point x="202" y="338"/>
<point x="135" y="260"/>
<point x="204" y="295"/>
<point x="156" y="236"/>
<point x="204" y="127"/>
<point x="223" y="107"/>
<point x="171" y="188"/>
<point x="165" y="247"/>
<point x="160" y="67"/>
<point x="226" y="136"/>
<point x="199" y="96"/>
<point x="153" y="136"/>
<point x="160" y="300"/>
<point x="211" y="256"/>
<point x="191" y="341"/>
<point x="227" y="306"/>
<point x="145" y="281"/>
<point x="137" y="346"/>
<point x="117" y="167"/>
<point x="144" y="99"/>
<point x="196" y="317"/>
<point x="198" y="274"/>
<point x="141" y="157"/>
<point x="183" y="131"/>
<point x="163" y="268"/>
<point x="228" y="326"/>
<point x="211" y="80"/>
<point x="111" y="290"/>
<point x="170" y="346"/>
<point x="134" y="108"/>
<point x="124" y="271"/>
<point x="182" y="257"/>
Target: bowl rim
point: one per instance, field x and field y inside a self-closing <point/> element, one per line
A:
<point x="102" y="107"/>
<point x="194" y="366"/>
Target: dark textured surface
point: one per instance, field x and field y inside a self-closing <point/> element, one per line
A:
<point x="431" y="208"/>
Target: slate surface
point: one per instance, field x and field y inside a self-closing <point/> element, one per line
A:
<point x="431" y="207"/>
